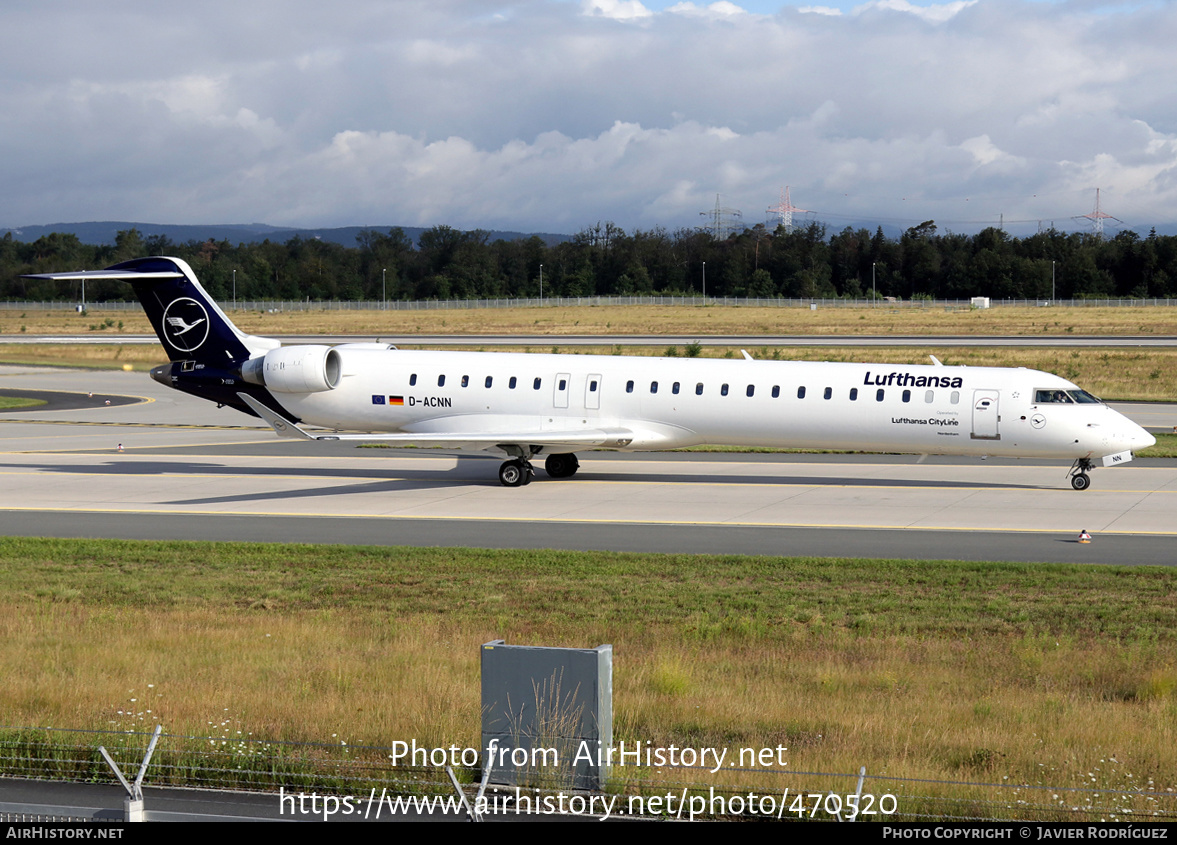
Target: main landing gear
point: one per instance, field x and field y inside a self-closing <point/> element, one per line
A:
<point x="1080" y="480"/>
<point x="515" y="473"/>
<point x="518" y="471"/>
<point x="561" y="466"/>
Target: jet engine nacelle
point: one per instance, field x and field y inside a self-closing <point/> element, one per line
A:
<point x="295" y="369"/>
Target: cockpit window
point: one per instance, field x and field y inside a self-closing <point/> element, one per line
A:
<point x="1048" y="397"/>
<point x="1064" y="397"/>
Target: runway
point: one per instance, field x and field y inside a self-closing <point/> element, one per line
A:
<point x="190" y="471"/>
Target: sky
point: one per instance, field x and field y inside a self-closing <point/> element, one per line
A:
<point x="553" y="115"/>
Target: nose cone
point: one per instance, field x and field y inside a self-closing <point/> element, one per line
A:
<point x="1130" y="436"/>
<point x="1143" y="440"/>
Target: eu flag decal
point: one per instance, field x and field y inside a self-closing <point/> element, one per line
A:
<point x="377" y="400"/>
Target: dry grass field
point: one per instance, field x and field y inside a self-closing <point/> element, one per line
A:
<point x="1031" y="674"/>
<point x="642" y="319"/>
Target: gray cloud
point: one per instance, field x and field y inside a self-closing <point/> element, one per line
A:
<point x="552" y="115"/>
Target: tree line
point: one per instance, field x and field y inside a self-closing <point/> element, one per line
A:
<point x="805" y="262"/>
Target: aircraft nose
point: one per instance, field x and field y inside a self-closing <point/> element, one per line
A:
<point x="1143" y="440"/>
<point x="1132" y="436"/>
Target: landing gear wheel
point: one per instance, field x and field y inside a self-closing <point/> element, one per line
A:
<point x="513" y="474"/>
<point x="1080" y="481"/>
<point x="561" y="466"/>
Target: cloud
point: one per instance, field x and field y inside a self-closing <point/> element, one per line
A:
<point x="621" y="10"/>
<point x="721" y="9"/>
<point x="935" y="13"/>
<point x="551" y="115"/>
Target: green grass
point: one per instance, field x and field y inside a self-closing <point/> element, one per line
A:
<point x="1166" y="447"/>
<point x="19" y="402"/>
<point x="693" y="595"/>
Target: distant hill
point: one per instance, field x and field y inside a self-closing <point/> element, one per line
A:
<point x="104" y="233"/>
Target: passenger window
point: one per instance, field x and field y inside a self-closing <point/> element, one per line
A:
<point x="441" y="381"/>
<point x="800" y="392"/>
<point x="955" y="397"/>
<point x="653" y="387"/>
<point x="854" y="394"/>
<point x="699" y="389"/>
<point x="412" y="379"/>
<point x="465" y="381"/>
<point x="511" y="384"/>
<point x="489" y="380"/>
<point x="776" y="391"/>
<point x="723" y="390"/>
<point x="535" y="384"/>
<point x="929" y="396"/>
<point x="674" y="388"/>
<point x="879" y="395"/>
<point x="629" y="386"/>
<point x="751" y="389"/>
<point x="907" y="396"/>
<point x="829" y="392"/>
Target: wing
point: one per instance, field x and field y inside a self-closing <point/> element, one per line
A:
<point x="608" y="438"/>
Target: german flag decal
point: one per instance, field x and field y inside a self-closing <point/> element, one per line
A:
<point x="396" y="400"/>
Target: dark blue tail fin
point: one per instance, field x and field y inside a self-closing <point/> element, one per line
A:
<point x="189" y="324"/>
<point x="206" y="350"/>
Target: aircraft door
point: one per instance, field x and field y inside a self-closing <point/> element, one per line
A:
<point x="592" y="392"/>
<point x="560" y="398"/>
<point x="985" y="415"/>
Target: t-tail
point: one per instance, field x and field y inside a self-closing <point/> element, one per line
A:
<point x="208" y="353"/>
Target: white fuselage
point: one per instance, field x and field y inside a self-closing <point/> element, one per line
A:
<point x="672" y="402"/>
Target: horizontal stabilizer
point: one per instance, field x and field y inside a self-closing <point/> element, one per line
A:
<point x="110" y="275"/>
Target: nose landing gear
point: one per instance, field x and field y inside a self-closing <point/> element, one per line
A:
<point x="1080" y="480"/>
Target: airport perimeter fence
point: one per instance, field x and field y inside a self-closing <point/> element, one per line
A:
<point x="349" y="778"/>
<point x="568" y="301"/>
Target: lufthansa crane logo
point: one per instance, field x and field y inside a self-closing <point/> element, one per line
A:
<point x="185" y="324"/>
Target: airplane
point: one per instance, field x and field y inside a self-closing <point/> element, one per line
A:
<point x="525" y="405"/>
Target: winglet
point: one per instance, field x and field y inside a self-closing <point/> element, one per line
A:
<point x="282" y="426"/>
<point x="935" y="361"/>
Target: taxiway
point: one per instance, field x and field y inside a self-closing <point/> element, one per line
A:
<point x="190" y="471"/>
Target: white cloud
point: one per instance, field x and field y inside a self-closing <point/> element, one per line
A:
<point x="935" y="13"/>
<point x="721" y="9"/>
<point x="621" y="10"/>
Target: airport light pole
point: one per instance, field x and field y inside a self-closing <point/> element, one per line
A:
<point x="541" y="283"/>
<point x="384" y="289"/>
<point x="234" y="290"/>
<point x="704" y="282"/>
<point x="872" y="284"/>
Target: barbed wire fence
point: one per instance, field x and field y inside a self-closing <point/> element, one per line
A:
<point x="591" y="301"/>
<point x="231" y="762"/>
